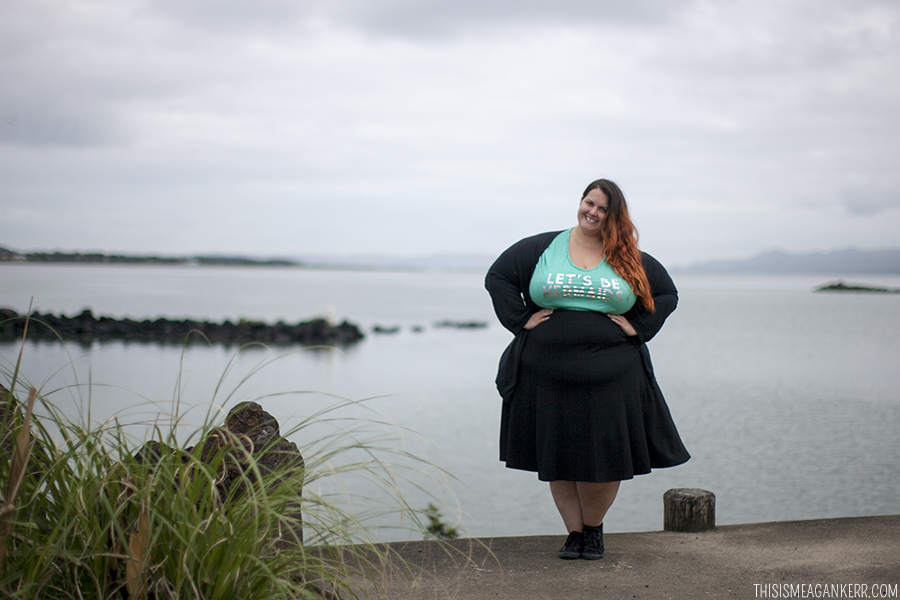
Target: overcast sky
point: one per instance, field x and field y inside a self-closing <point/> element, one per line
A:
<point x="419" y="127"/>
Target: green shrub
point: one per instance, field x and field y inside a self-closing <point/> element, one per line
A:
<point x="93" y="520"/>
<point x="97" y="519"/>
<point x="437" y="527"/>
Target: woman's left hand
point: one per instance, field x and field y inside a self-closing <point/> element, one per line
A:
<point x="624" y="324"/>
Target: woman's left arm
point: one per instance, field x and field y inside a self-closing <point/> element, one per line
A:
<point x="647" y="324"/>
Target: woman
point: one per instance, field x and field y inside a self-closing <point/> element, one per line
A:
<point x="581" y="406"/>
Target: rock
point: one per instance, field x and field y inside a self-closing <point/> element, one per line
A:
<point x="85" y="328"/>
<point x="151" y="453"/>
<point x="840" y="286"/>
<point x="383" y="329"/>
<point x="462" y="324"/>
<point x="249" y="430"/>
<point x="249" y="418"/>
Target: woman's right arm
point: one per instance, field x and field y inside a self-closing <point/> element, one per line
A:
<point x="503" y="282"/>
<point x="508" y="279"/>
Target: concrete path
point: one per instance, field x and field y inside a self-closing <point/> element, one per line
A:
<point x="761" y="560"/>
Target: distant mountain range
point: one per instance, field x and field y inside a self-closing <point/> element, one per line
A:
<point x="837" y="262"/>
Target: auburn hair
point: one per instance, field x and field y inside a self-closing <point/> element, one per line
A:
<point x="620" y="241"/>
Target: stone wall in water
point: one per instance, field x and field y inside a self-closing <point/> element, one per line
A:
<point x="86" y="328"/>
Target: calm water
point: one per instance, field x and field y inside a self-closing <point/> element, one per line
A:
<point x="788" y="400"/>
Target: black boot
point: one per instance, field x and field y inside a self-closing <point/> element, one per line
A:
<point x="574" y="544"/>
<point x="593" y="543"/>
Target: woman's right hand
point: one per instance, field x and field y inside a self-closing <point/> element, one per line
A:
<point x="538" y="318"/>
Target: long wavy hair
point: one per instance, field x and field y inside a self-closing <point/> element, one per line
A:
<point x="620" y="241"/>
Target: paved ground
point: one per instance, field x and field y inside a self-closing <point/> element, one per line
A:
<point x="725" y="563"/>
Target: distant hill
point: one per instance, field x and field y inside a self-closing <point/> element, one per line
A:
<point x="819" y="263"/>
<point x="7" y="255"/>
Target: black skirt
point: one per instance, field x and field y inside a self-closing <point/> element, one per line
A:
<point x="585" y="407"/>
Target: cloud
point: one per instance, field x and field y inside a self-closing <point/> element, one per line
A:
<point x="869" y="198"/>
<point x="70" y="122"/>
<point x="481" y="118"/>
<point x="421" y="19"/>
<point x="416" y="19"/>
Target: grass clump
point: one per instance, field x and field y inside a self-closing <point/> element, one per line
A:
<point x="88" y="513"/>
<point x="88" y="517"/>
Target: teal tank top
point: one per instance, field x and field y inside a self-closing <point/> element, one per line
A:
<point x="558" y="283"/>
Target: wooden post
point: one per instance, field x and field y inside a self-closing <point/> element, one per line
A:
<point x="689" y="509"/>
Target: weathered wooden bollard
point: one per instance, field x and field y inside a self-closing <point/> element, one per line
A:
<point x="689" y="509"/>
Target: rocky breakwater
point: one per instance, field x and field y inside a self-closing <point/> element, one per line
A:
<point x="86" y="328"/>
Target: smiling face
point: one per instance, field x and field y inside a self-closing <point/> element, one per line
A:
<point x="592" y="210"/>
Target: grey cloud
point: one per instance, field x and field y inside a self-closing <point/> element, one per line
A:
<point x="417" y="18"/>
<point x="62" y="78"/>
<point x="61" y="124"/>
<point x="870" y="199"/>
<point x="233" y="15"/>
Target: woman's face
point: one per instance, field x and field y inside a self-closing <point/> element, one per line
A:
<point x="592" y="211"/>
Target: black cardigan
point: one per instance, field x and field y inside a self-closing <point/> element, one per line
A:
<point x="507" y="282"/>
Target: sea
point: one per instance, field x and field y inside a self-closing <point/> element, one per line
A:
<point x="788" y="399"/>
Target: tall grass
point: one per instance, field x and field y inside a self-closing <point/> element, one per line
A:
<point x="94" y="517"/>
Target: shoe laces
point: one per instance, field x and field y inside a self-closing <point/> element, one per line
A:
<point x="592" y="540"/>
